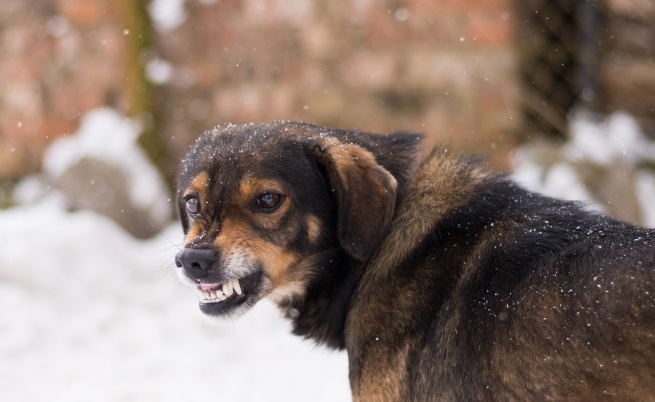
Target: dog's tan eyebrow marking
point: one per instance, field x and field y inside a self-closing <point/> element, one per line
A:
<point x="198" y="185"/>
<point x="250" y="188"/>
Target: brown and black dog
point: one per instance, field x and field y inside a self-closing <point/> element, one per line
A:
<point x="441" y="279"/>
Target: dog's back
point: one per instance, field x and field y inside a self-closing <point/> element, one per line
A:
<point x="505" y="295"/>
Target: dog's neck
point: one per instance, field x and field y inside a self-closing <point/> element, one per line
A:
<point x="320" y="314"/>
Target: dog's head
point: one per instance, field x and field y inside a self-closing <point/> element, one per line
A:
<point x="262" y="205"/>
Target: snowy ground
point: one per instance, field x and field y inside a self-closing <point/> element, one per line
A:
<point x="88" y="313"/>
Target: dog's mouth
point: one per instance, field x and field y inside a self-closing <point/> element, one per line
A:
<point x="221" y="298"/>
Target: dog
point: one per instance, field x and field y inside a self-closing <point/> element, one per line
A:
<point x="442" y="279"/>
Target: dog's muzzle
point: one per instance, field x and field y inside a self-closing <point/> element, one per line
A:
<point x="215" y="292"/>
<point x="196" y="262"/>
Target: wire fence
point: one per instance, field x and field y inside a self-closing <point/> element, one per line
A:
<point x="560" y="42"/>
<point x="594" y="54"/>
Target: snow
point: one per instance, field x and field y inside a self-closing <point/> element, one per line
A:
<point x="106" y="135"/>
<point x="601" y="141"/>
<point x="562" y="182"/>
<point x="91" y="314"/>
<point x="159" y="71"/>
<point x="609" y="143"/>
<point x="167" y="14"/>
<point x="645" y="183"/>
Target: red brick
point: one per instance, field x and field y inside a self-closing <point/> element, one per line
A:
<point x="85" y="12"/>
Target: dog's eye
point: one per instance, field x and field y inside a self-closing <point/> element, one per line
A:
<point x="193" y="205"/>
<point x="269" y="201"/>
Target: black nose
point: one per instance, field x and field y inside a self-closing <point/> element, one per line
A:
<point x="197" y="263"/>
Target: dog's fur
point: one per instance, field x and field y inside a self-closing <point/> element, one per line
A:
<point x="441" y="279"/>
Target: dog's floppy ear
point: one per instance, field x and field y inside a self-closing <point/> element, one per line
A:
<point x="365" y="193"/>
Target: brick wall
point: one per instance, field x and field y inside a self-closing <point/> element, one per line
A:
<point x="445" y="68"/>
<point x="58" y="59"/>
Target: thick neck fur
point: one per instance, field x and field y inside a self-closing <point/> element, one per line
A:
<point x="320" y="314"/>
<point x="426" y="195"/>
<point x="441" y="183"/>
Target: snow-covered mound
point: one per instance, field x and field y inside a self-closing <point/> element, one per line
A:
<point x="101" y="168"/>
<point x="608" y="163"/>
<point x="88" y="313"/>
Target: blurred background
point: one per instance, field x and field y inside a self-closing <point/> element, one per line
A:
<point x="100" y="99"/>
<point x="480" y="75"/>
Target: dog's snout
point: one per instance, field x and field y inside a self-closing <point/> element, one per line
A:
<point x="197" y="263"/>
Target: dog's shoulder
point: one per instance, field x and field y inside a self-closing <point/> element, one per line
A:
<point x="403" y="282"/>
<point x="471" y="259"/>
<point x="443" y="182"/>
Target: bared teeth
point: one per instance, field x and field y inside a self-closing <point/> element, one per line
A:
<point x="227" y="288"/>
<point x="237" y="287"/>
<point x="215" y="293"/>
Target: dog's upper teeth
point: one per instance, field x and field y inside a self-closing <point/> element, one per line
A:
<point x="237" y="286"/>
<point x="227" y="288"/>
<point x="208" y="294"/>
